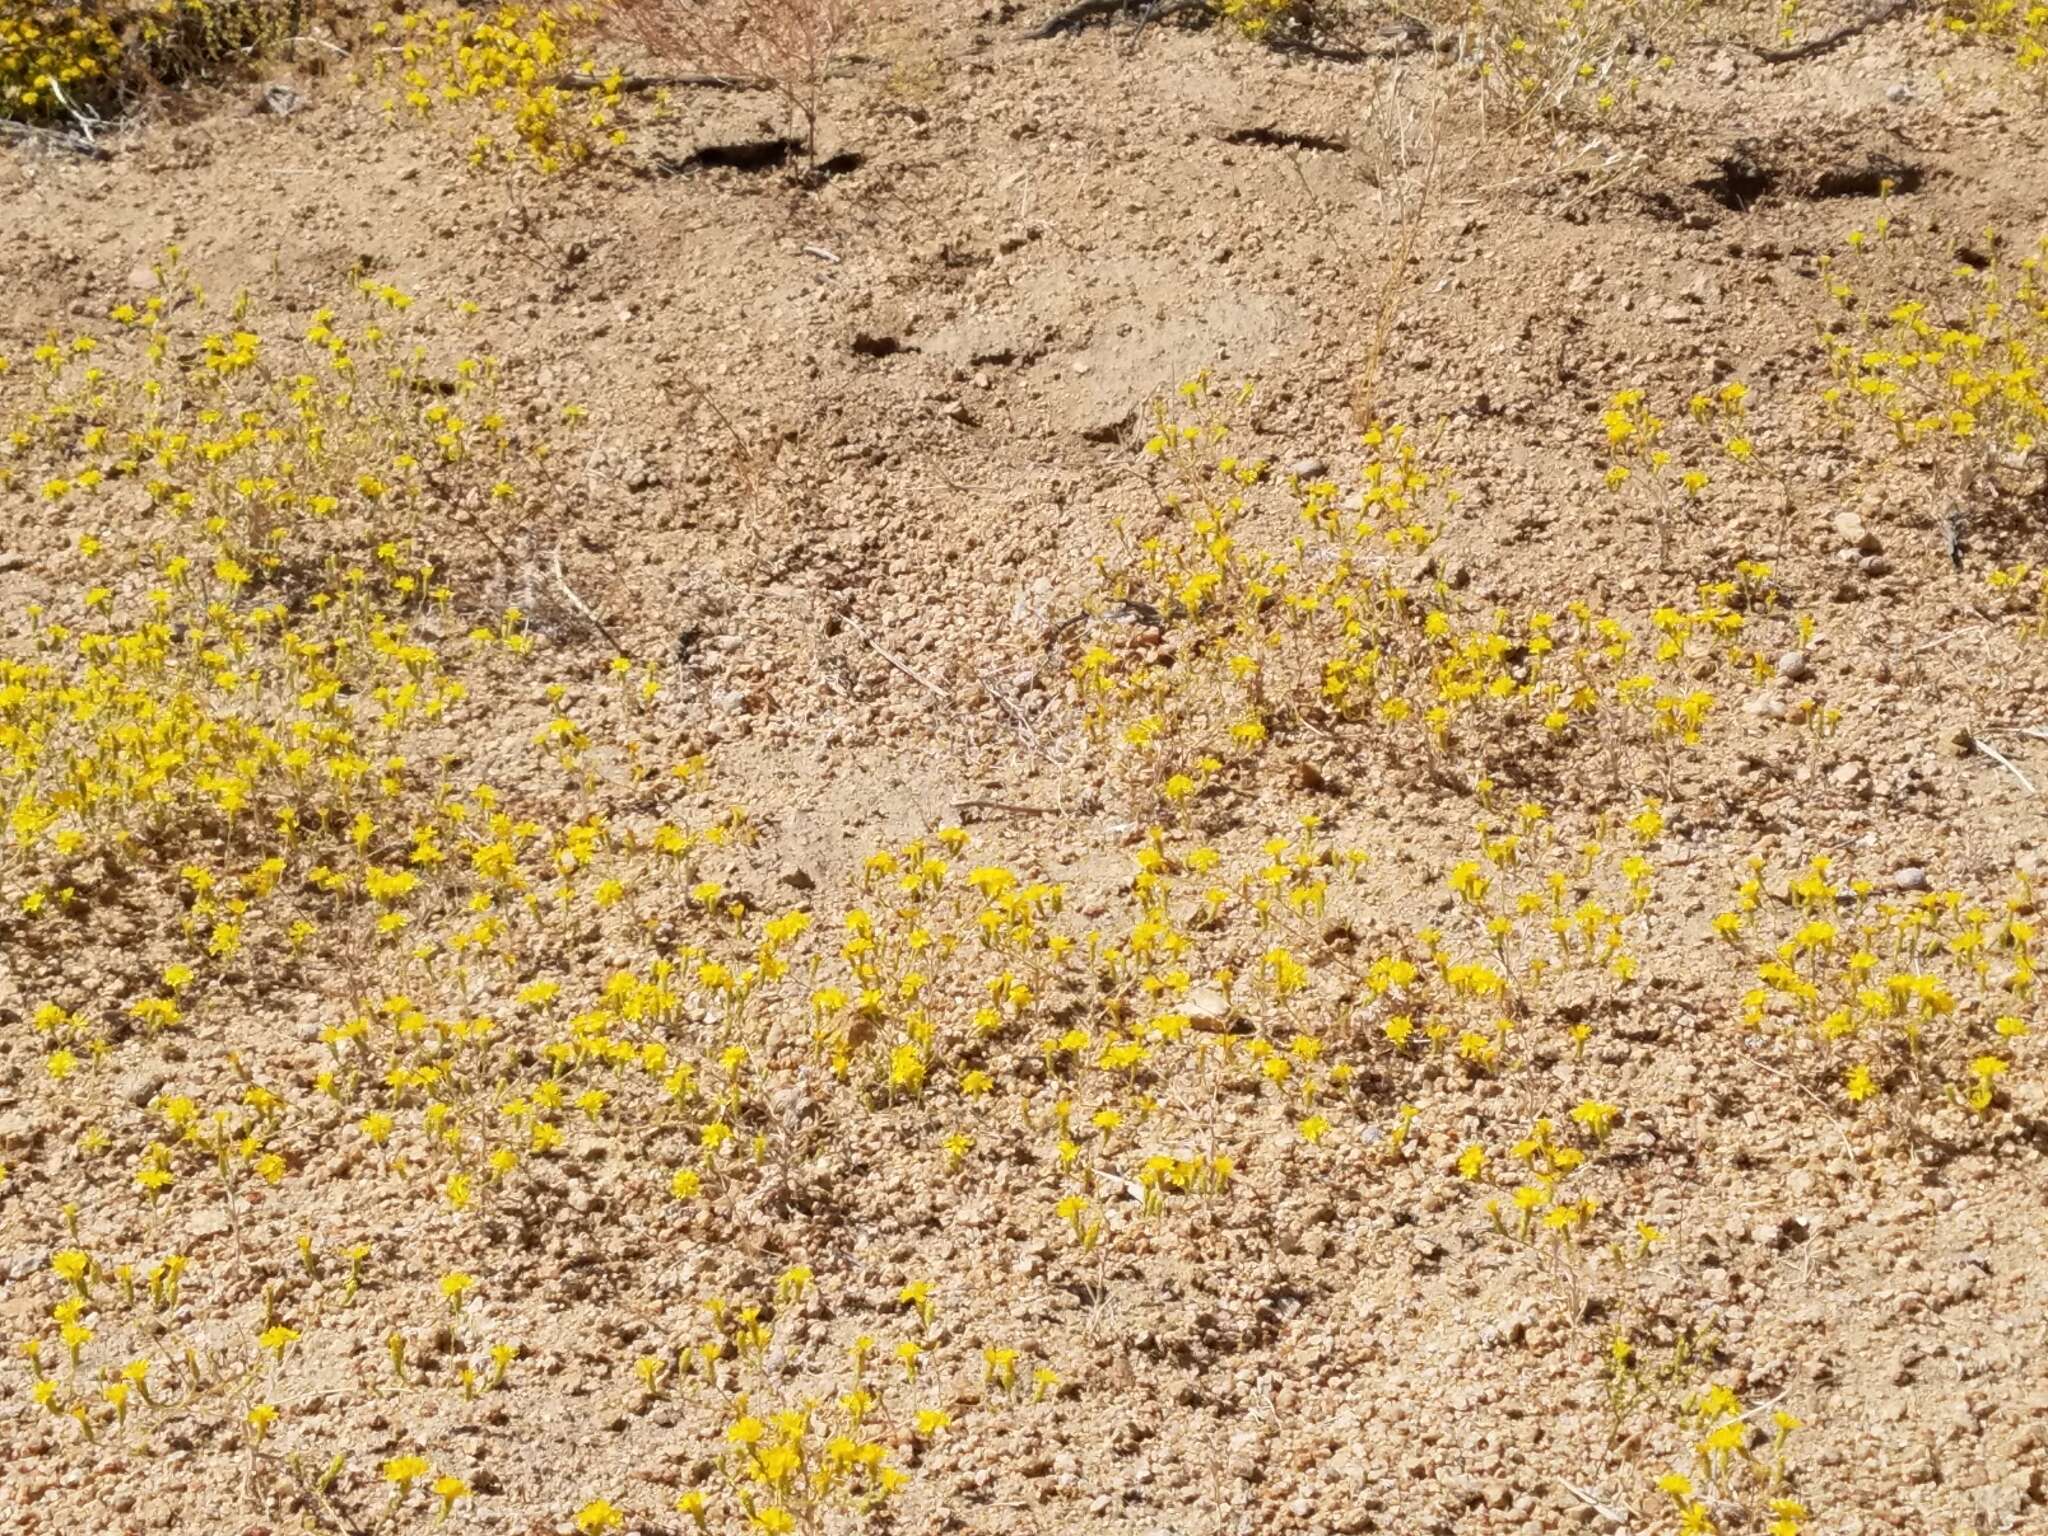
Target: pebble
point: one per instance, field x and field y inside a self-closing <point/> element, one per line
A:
<point x="1911" y="878"/>
<point x="1854" y="532"/>
<point x="140" y="1086"/>
<point x="1307" y="469"/>
<point x="1793" y="667"/>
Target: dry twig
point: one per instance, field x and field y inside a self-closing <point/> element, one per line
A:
<point x="634" y="84"/>
<point x="582" y="607"/>
<point x="894" y="660"/>
<point x="2002" y="760"/>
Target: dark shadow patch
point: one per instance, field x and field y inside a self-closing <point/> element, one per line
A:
<point x="1739" y="181"/>
<point x="1749" y="171"/>
<point x="1873" y="177"/>
<point x="751" y="155"/>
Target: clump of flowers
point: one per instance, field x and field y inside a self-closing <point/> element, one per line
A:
<point x="1536" y="61"/>
<point x="1955" y="372"/>
<point x="2016" y="27"/>
<point x="1350" y="634"/>
<point x="1902" y="1004"/>
<point x="77" y="64"/>
<point x="517" y="77"/>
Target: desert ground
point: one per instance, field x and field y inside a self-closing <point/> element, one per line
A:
<point x="1239" y="772"/>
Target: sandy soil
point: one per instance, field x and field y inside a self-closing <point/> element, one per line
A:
<point x="857" y="448"/>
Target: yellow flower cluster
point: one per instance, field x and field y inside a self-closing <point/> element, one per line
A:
<point x="2017" y="26"/>
<point x="1540" y="60"/>
<point x="67" y="62"/>
<point x="511" y="69"/>
<point x="246" y="680"/>
<point x="1255" y="18"/>
<point x="1351" y="633"/>
<point x="1909" y="1002"/>
<point x="1958" y="371"/>
<point x="53" y="59"/>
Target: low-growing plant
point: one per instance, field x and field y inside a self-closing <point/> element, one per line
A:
<point x="785" y="44"/>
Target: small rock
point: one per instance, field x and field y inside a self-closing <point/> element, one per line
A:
<point x="13" y="562"/>
<point x="1792" y="666"/>
<point x="1911" y="878"/>
<point x="1206" y="1007"/>
<point x="1847" y="775"/>
<point x="1724" y="69"/>
<point x="1896" y="93"/>
<point x="140" y="1086"/>
<point x="1767" y="706"/>
<point x="1875" y="565"/>
<point x="1307" y="469"/>
<point x="1854" y="532"/>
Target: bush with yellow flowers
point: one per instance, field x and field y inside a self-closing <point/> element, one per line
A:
<point x="2016" y="27"/>
<point x="246" y="677"/>
<point x="1904" y="1009"/>
<point x="517" y="78"/>
<point x="1641" y="465"/>
<point x="1211" y="647"/>
<point x="1953" y="372"/>
<point x="1257" y="18"/>
<point x="63" y="63"/>
<point x="1536" y="61"/>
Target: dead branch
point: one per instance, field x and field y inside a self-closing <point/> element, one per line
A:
<point x="966" y="808"/>
<point x="894" y="660"/>
<point x="1835" y="39"/>
<point x="2002" y="760"/>
<point x="633" y="84"/>
<point x="582" y="607"/>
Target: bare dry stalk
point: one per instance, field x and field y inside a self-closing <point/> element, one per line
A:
<point x="787" y="43"/>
